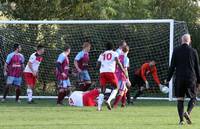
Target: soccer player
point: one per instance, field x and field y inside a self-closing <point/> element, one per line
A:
<point x="107" y="62"/>
<point x="31" y="71"/>
<point x="185" y="65"/>
<point x="13" y="69"/>
<point x="122" y="44"/>
<point x="81" y="64"/>
<point x="122" y="80"/>
<point x="62" y="74"/>
<point x="87" y="98"/>
<point x="140" y="77"/>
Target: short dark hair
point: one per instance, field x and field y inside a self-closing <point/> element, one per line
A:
<point x="109" y="45"/>
<point x="122" y="42"/>
<point x="86" y="44"/>
<point x="16" y="46"/>
<point x="40" y="47"/>
<point x="67" y="47"/>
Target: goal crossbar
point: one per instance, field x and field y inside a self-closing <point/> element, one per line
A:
<point x="87" y="21"/>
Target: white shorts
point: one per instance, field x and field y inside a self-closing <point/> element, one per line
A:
<point x="64" y="83"/>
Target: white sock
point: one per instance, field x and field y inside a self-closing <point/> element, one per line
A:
<point x="29" y="93"/>
<point x="108" y="90"/>
<point x="112" y="95"/>
<point x="100" y="101"/>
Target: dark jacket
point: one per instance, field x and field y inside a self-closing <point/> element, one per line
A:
<point x="185" y="64"/>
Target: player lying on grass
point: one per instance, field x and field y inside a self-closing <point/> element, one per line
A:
<point x="122" y="80"/>
<point x="107" y="62"/>
<point x="13" y="69"/>
<point x="140" y="80"/>
<point x="87" y="98"/>
<point x="31" y="71"/>
<point x="81" y="64"/>
<point x="62" y="75"/>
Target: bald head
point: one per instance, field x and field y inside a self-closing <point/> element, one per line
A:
<point x="186" y="38"/>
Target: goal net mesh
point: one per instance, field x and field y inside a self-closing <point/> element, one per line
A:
<point x="147" y="41"/>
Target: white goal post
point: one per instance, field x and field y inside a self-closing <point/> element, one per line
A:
<point x="171" y="23"/>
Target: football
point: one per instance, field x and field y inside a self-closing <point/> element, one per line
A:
<point x="165" y="89"/>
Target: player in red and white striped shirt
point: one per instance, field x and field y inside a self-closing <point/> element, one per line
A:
<point x="31" y="71"/>
<point x="107" y="62"/>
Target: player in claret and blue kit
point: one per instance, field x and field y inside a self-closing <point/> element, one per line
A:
<point x="62" y="75"/>
<point x="13" y="69"/>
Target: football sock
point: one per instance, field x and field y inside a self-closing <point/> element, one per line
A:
<point x="18" y="92"/>
<point x="118" y="98"/>
<point x="191" y="105"/>
<point x="112" y="95"/>
<point x="100" y="101"/>
<point x="5" y="92"/>
<point x="124" y="99"/>
<point x="180" y="107"/>
<point x="60" y="96"/>
<point x="29" y="93"/>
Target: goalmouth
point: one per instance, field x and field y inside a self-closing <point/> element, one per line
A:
<point x="148" y="39"/>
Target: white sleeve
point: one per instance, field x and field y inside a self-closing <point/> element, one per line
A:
<point x="115" y="54"/>
<point x="126" y="62"/>
<point x="100" y="58"/>
<point x="32" y="58"/>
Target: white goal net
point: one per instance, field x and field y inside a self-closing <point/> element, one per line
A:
<point x="147" y="39"/>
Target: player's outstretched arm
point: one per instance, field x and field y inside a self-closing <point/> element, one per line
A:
<point x="143" y="69"/>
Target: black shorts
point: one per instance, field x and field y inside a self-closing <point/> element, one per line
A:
<point x="137" y="80"/>
<point x="185" y="88"/>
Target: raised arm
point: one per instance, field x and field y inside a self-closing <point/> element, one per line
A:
<point x="155" y="76"/>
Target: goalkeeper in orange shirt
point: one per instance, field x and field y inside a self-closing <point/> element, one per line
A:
<point x="140" y="77"/>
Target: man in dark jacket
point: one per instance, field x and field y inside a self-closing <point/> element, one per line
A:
<point x="185" y="64"/>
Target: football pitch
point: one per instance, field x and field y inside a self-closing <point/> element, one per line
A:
<point x="46" y="115"/>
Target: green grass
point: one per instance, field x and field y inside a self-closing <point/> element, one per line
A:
<point x="46" y="115"/>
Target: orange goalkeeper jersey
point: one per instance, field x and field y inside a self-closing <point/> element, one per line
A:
<point x="146" y="70"/>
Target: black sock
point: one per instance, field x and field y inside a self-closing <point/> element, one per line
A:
<point x="180" y="107"/>
<point x="128" y="96"/>
<point x="139" y="92"/>
<point x="191" y="105"/>
<point x="5" y="92"/>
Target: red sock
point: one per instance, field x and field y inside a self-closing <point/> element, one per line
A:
<point x="63" y="95"/>
<point x="124" y="100"/>
<point x="18" y="92"/>
<point x="60" y="96"/>
<point x="119" y="97"/>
